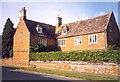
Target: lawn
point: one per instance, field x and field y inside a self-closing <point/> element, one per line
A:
<point x="73" y="74"/>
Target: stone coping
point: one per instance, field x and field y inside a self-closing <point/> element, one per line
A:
<point x="75" y="63"/>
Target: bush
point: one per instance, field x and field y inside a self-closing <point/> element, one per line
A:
<point x="42" y="48"/>
<point x="114" y="47"/>
<point x="52" y="48"/>
<point x="90" y="56"/>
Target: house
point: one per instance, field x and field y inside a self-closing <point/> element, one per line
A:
<point x="91" y="34"/>
<point x="30" y="33"/>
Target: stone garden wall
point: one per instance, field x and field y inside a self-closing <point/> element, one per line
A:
<point x="80" y="67"/>
<point x="11" y="62"/>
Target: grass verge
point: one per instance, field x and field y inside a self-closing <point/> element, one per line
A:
<point x="72" y="74"/>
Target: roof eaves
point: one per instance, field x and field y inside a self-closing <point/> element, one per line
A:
<point x="79" y="35"/>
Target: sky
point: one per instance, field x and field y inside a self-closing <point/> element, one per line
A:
<point x="46" y="12"/>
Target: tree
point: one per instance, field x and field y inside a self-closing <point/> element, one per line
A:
<point x="7" y="39"/>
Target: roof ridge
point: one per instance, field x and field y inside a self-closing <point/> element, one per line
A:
<point x="90" y="18"/>
<point x="39" y="22"/>
<point x="92" y="25"/>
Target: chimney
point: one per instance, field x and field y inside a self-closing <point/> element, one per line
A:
<point x="59" y="22"/>
<point x="22" y="13"/>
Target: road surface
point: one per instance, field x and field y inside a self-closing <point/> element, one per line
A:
<point x="13" y="74"/>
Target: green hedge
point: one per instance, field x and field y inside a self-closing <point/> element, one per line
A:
<point x="90" y="56"/>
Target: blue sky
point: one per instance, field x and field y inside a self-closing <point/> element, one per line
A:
<point x="46" y="12"/>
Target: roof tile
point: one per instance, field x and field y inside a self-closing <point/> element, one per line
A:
<point x="48" y="30"/>
<point x="93" y="25"/>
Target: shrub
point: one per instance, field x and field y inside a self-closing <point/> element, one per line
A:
<point x="42" y="48"/>
<point x="114" y="47"/>
<point x="52" y="48"/>
<point x="90" y="56"/>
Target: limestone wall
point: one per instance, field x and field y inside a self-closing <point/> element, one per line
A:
<point x="11" y="62"/>
<point x="80" y="67"/>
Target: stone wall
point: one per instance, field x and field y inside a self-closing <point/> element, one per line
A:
<point x="21" y="43"/>
<point x="111" y="69"/>
<point x="80" y="67"/>
<point x="13" y="63"/>
<point x="70" y="46"/>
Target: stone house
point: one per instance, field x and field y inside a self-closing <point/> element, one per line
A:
<point x="91" y="34"/>
<point x="29" y="33"/>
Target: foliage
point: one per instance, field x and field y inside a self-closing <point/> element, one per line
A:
<point x="114" y="47"/>
<point x="42" y="48"/>
<point x="90" y="56"/>
<point x="38" y="48"/>
<point x="52" y="48"/>
<point x="7" y="39"/>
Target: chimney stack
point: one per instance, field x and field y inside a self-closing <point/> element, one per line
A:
<point x="22" y="13"/>
<point x="58" y="22"/>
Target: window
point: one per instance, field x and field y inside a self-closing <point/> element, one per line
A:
<point x="92" y="38"/>
<point x="39" y="29"/>
<point x="61" y="42"/>
<point x="21" y="33"/>
<point x="42" y="41"/>
<point x="110" y="30"/>
<point x="78" y="40"/>
<point x="64" y="30"/>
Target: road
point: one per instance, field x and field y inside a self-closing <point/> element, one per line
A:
<point x="14" y="74"/>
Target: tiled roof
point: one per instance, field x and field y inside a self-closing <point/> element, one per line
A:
<point x="93" y="25"/>
<point x="48" y="30"/>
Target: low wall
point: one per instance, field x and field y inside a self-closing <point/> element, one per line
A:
<point x="11" y="62"/>
<point x="80" y="67"/>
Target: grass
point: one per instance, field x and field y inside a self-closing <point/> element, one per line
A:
<point x="72" y="74"/>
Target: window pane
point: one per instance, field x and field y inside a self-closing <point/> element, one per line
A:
<point x="90" y="39"/>
<point x="61" y="42"/>
<point x="78" y="40"/>
<point x="93" y="38"/>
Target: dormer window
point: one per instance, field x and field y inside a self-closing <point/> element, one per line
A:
<point x="64" y="30"/>
<point x="39" y="29"/>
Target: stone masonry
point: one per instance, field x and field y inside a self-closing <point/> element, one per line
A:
<point x="80" y="67"/>
<point x="103" y="68"/>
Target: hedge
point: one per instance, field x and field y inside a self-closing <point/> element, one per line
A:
<point x="90" y="56"/>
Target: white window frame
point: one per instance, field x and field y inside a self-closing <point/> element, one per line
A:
<point x="78" y="38"/>
<point x="45" y="42"/>
<point x="42" y="41"/>
<point x="62" y="42"/>
<point x="64" y="29"/>
<point x="92" y="37"/>
<point x="39" y="29"/>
